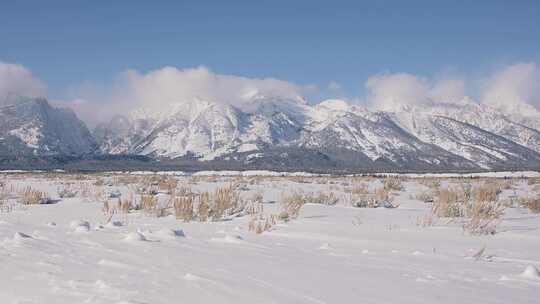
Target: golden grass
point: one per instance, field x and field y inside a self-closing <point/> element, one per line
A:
<point x="448" y="204"/>
<point x="533" y="181"/>
<point x="148" y="203"/>
<point x="480" y="206"/>
<point x="532" y="204"/>
<point x="30" y="196"/>
<point x="203" y="208"/>
<point x="261" y="223"/>
<point x="183" y="208"/>
<point x="360" y="188"/>
<point x="392" y="184"/>
<point x="322" y="198"/>
<point x="291" y="205"/>
<point x="226" y="201"/>
<point x="254" y="205"/>
<point x="67" y="190"/>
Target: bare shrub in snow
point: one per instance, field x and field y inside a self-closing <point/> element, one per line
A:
<point x="261" y="223"/>
<point x="447" y="204"/>
<point x="225" y="202"/>
<point x="183" y="207"/>
<point x="392" y="184"/>
<point x="380" y="197"/>
<point x="291" y="205"/>
<point x="121" y="206"/>
<point x="360" y="189"/>
<point x="533" y="204"/>
<point x="533" y="181"/>
<point x="254" y="204"/>
<point x="465" y="192"/>
<point x="67" y="191"/>
<point x="507" y="184"/>
<point x="480" y="206"/>
<point x="203" y="208"/>
<point x="484" y="216"/>
<point x="322" y="198"/>
<point x="383" y="195"/>
<point x="487" y="192"/>
<point x="4" y="196"/>
<point x="363" y="201"/>
<point x="426" y="196"/>
<point x="431" y="183"/>
<point x="148" y="203"/>
<point x="99" y="182"/>
<point x="167" y="185"/>
<point x="30" y="196"/>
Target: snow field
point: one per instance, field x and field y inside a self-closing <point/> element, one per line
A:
<point x="71" y="252"/>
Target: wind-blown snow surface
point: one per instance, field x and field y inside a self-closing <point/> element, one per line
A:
<point x="64" y="253"/>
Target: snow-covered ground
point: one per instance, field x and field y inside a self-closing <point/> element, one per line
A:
<point x="68" y="252"/>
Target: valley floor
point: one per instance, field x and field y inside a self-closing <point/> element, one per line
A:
<point x="70" y="252"/>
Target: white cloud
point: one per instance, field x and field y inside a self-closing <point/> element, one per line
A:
<point x="448" y="90"/>
<point x="389" y="91"/>
<point x="159" y="88"/>
<point x="17" y="80"/>
<point x="514" y="89"/>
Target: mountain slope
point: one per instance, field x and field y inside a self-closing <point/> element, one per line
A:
<point x="32" y="127"/>
<point x="519" y="129"/>
<point x="484" y="148"/>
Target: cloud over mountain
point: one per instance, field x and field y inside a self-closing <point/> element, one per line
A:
<point x="18" y="80"/>
<point x="164" y="86"/>
<point x="391" y="91"/>
<point x="514" y="89"/>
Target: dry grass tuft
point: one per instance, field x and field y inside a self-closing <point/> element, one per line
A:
<point x="291" y="205"/>
<point x="488" y="192"/>
<point x="67" y="191"/>
<point x="226" y="202"/>
<point x="261" y="223"/>
<point x="447" y="204"/>
<point x="183" y="208"/>
<point x="360" y="189"/>
<point x="426" y="196"/>
<point x="203" y="208"/>
<point x="479" y="205"/>
<point x="254" y="205"/>
<point x="484" y="216"/>
<point x="379" y="198"/>
<point x="329" y="199"/>
<point x="533" y="204"/>
<point x="148" y="203"/>
<point x="533" y="181"/>
<point x="30" y="196"/>
<point x="167" y="185"/>
<point x="393" y="184"/>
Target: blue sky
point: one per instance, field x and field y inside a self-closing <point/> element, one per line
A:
<point x="65" y="43"/>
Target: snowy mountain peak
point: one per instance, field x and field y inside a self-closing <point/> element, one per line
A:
<point x="30" y="126"/>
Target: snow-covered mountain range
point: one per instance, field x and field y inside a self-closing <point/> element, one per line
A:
<point x="464" y="135"/>
<point x="270" y="131"/>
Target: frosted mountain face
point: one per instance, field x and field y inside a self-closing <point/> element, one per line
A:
<point x="362" y="136"/>
<point x="33" y="127"/>
<point x="520" y="129"/>
<point x="463" y="136"/>
<point x="204" y="129"/>
<point x="484" y="148"/>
